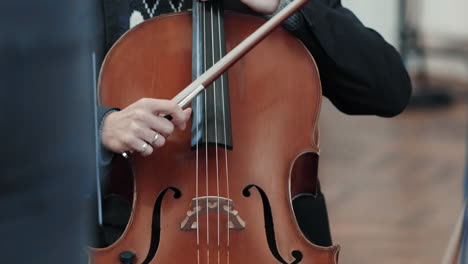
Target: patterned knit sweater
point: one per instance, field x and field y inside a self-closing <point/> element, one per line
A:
<point x="121" y="15"/>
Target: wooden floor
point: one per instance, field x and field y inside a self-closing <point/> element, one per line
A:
<point x="393" y="186"/>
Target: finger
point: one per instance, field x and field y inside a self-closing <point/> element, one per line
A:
<point x="159" y="142"/>
<point x="160" y="106"/>
<point x="154" y="138"/>
<point x="148" y="135"/>
<point x="167" y="107"/>
<point x="161" y="125"/>
<point x="188" y="114"/>
<point x="145" y="122"/>
<point x="148" y="151"/>
<point x="140" y="146"/>
<point x="180" y="118"/>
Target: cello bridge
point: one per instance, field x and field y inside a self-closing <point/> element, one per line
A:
<point x="212" y="205"/>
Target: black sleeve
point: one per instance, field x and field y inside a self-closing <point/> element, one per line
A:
<point x="103" y="111"/>
<point x="361" y="73"/>
<point x="105" y="156"/>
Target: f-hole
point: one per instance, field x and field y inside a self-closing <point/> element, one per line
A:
<point x="156" y="225"/>
<point x="269" y="226"/>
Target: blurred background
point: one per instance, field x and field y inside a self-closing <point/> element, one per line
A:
<point x="394" y="187"/>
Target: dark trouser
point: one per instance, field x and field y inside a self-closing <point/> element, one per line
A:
<point x="312" y="217"/>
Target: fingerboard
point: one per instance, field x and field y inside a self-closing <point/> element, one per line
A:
<point x="211" y="121"/>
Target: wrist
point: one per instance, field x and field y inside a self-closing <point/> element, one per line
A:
<point x="101" y="129"/>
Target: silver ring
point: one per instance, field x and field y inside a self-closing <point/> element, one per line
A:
<point x="155" y="138"/>
<point x="144" y="147"/>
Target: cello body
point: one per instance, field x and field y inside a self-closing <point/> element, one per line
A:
<point x="218" y="205"/>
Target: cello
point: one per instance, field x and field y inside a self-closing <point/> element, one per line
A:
<point x="222" y="192"/>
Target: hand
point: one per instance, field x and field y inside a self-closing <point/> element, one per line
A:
<point x="132" y="127"/>
<point x="261" y="6"/>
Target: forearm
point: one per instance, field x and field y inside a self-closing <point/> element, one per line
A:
<point x="360" y="71"/>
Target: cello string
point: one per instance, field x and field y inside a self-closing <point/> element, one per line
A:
<point x="196" y="177"/>
<point x="212" y="6"/>
<point x="197" y="122"/>
<point x="225" y="136"/>
<point x="206" y="143"/>
<point x="215" y="124"/>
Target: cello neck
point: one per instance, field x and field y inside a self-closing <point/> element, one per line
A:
<point x="211" y="123"/>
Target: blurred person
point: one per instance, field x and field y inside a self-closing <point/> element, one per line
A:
<point x="361" y="74"/>
<point x="47" y="130"/>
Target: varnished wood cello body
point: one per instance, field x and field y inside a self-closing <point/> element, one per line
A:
<point x="222" y="192"/>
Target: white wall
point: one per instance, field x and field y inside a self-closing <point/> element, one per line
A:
<point x="440" y="19"/>
<point x="381" y="15"/>
<point x="448" y="17"/>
